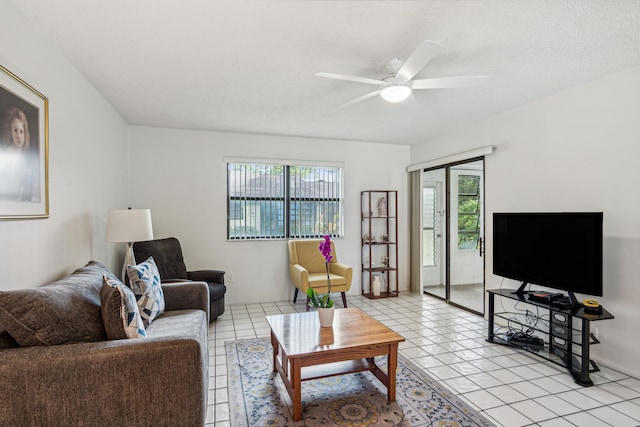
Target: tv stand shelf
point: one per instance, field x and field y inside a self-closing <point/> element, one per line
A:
<point x="566" y="334"/>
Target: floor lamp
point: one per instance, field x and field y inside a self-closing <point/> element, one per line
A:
<point x="129" y="225"/>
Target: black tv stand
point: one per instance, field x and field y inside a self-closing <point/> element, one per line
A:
<point x="565" y="343"/>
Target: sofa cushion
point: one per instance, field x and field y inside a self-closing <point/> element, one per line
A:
<point x="65" y="311"/>
<point x="144" y="280"/>
<point x="179" y="324"/>
<point x="120" y="313"/>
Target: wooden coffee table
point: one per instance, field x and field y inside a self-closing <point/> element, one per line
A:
<point x="303" y="351"/>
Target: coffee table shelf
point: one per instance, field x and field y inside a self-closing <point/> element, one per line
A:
<point x="336" y="368"/>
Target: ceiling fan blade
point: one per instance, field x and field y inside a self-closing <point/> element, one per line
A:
<point x="350" y="78"/>
<point x="418" y="59"/>
<point x="357" y="100"/>
<point x="448" y="82"/>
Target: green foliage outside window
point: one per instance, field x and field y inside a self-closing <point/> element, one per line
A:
<point x="468" y="211"/>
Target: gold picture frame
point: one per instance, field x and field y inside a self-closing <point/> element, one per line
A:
<point x="24" y="149"/>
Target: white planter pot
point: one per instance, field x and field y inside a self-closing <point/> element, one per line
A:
<point x="326" y="316"/>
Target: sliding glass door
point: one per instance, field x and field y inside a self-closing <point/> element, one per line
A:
<point x="453" y="233"/>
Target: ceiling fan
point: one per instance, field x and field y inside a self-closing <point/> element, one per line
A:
<point x="397" y="85"/>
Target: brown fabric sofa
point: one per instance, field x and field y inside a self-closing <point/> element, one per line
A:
<point x="160" y="380"/>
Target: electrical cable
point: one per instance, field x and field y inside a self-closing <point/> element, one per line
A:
<point x="528" y="326"/>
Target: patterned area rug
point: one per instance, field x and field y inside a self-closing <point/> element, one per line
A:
<point x="257" y="396"/>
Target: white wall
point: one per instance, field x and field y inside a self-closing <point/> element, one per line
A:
<point x="575" y="151"/>
<point x="87" y="165"/>
<point x="181" y="176"/>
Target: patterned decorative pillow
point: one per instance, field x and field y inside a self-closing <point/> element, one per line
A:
<point x="144" y="280"/>
<point x="120" y="314"/>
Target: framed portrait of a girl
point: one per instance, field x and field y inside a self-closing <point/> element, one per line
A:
<point x="24" y="149"/>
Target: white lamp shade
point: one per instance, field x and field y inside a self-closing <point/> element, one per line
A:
<point x="129" y="225"/>
<point x="396" y="92"/>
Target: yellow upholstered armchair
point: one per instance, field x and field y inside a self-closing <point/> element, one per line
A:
<point x="307" y="269"/>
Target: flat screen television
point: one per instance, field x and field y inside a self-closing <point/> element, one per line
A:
<point x="561" y="250"/>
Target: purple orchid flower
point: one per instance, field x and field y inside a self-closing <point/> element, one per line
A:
<point x="325" y="301"/>
<point x="325" y="248"/>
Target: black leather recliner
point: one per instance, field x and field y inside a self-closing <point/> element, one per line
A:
<point x="167" y="254"/>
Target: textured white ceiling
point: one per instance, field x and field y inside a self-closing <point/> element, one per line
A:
<point x="249" y="66"/>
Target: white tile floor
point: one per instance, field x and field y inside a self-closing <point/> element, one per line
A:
<point x="509" y="387"/>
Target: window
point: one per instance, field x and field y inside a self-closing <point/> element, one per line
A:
<point x="468" y="211"/>
<point x="429" y="226"/>
<point x="274" y="201"/>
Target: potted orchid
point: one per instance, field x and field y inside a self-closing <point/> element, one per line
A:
<point x="324" y="303"/>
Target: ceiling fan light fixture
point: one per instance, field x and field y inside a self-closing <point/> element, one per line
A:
<point x="395" y="92"/>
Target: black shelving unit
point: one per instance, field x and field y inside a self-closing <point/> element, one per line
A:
<point x="566" y="332"/>
<point x="379" y="238"/>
